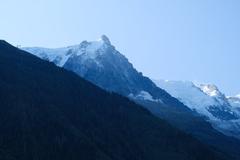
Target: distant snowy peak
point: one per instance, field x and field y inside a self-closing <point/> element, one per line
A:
<point x="211" y="90"/>
<point x="105" y="39"/>
<point x="205" y="99"/>
<point x="87" y="50"/>
<point x="93" y="49"/>
<point x="189" y="94"/>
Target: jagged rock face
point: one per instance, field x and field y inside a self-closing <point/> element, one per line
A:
<point x="103" y="70"/>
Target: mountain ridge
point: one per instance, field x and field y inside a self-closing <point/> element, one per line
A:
<point x="48" y="113"/>
<point x="209" y="101"/>
<point x="113" y="72"/>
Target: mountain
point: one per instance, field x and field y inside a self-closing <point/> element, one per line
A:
<point x="207" y="100"/>
<point x="100" y="63"/>
<point x="50" y="113"/>
<point x="234" y="101"/>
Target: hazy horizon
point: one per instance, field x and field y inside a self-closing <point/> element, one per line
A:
<point x="174" y="40"/>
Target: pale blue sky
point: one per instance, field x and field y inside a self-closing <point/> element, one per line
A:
<point x="195" y="40"/>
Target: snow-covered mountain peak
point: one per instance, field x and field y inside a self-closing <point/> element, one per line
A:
<point x="210" y="90"/>
<point x="93" y="49"/>
<point x="207" y="100"/>
<point x="189" y="94"/>
<point x="204" y="98"/>
<point x="213" y="91"/>
<point x="86" y="50"/>
<point x="104" y="39"/>
<point x="90" y="50"/>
